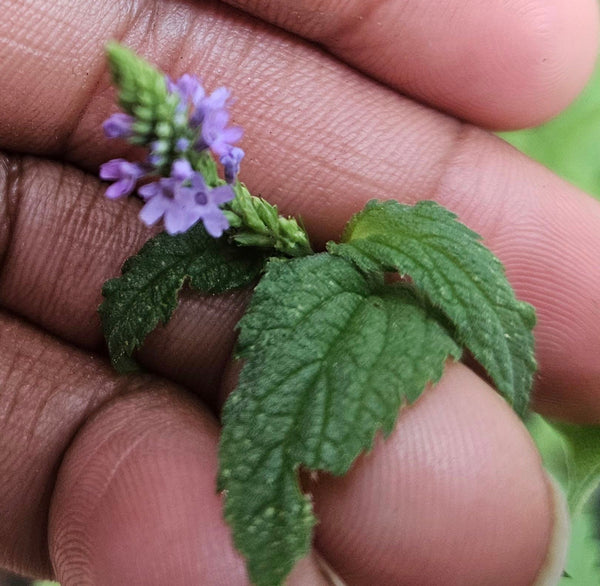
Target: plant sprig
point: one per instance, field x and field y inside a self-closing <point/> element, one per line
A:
<point x="331" y="349"/>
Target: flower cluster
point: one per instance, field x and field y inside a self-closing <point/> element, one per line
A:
<point x="178" y="192"/>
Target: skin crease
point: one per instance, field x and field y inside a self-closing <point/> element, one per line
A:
<point x="110" y="480"/>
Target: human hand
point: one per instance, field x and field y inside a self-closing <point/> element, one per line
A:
<point x="124" y="467"/>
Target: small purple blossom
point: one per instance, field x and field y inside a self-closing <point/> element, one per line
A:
<point x="184" y="198"/>
<point x="231" y="163"/>
<point x="166" y="199"/>
<point x="200" y="122"/>
<point x="208" y="201"/>
<point x="215" y="134"/>
<point x="207" y="104"/>
<point x="188" y="87"/>
<point x="124" y="174"/>
<point x="118" y="125"/>
<point x="209" y="114"/>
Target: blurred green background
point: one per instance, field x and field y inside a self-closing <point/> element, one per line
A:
<point x="569" y="144"/>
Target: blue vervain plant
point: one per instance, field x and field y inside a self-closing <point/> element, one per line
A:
<point x="332" y="348"/>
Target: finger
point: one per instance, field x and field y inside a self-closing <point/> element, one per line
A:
<point x="329" y="164"/>
<point x="135" y="502"/>
<point x="456" y="495"/>
<point x="48" y="390"/>
<point x="497" y="64"/>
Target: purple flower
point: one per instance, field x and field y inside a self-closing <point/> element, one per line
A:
<point x="118" y="125"/>
<point x="216" y="136"/>
<point x="203" y="106"/>
<point x="188" y="87"/>
<point x="209" y="114"/>
<point x="124" y="174"/>
<point x="184" y="198"/>
<point x="231" y="163"/>
<point x="167" y="199"/>
<point x="208" y="201"/>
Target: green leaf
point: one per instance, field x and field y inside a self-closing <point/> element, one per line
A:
<point x="447" y="263"/>
<point x="330" y="355"/>
<point x="583" y="561"/>
<point x="551" y="446"/>
<point x="571" y="454"/>
<point x="582" y="444"/>
<point x="146" y="293"/>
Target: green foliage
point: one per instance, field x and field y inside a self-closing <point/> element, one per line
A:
<point x="330" y="355"/>
<point x="331" y="350"/>
<point x="582" y="444"/>
<point x="551" y="446"/>
<point x="568" y="144"/>
<point x="583" y="561"/>
<point x="255" y="222"/>
<point x="448" y="264"/>
<point x="571" y="455"/>
<point x="146" y="292"/>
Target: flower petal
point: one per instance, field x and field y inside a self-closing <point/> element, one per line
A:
<point x="181" y="170"/>
<point x="111" y="170"/>
<point x="120" y="188"/>
<point x="221" y="194"/>
<point x="179" y="219"/>
<point x="150" y="190"/>
<point x="118" y="125"/>
<point x="215" y="222"/>
<point x="153" y="210"/>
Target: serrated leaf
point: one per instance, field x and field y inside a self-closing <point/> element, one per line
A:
<point x="448" y="264"/>
<point x="331" y="354"/>
<point x="146" y="292"/>
<point x="582" y="444"/>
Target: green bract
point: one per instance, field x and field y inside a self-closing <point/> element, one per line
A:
<point x="143" y="94"/>
<point x="257" y="223"/>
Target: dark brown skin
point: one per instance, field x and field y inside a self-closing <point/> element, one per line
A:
<point x="109" y="480"/>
